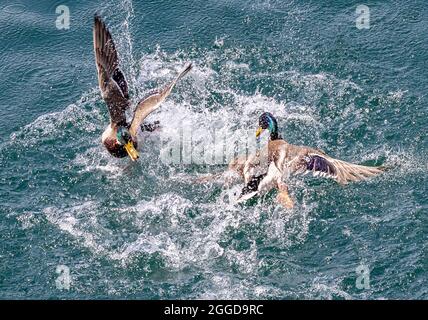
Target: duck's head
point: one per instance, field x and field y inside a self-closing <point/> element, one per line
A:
<point x="124" y="138"/>
<point x="268" y="121"/>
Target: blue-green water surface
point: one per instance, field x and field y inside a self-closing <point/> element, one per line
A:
<point x="142" y="230"/>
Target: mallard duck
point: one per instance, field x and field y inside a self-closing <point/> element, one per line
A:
<point x="120" y="137"/>
<point x="266" y="169"/>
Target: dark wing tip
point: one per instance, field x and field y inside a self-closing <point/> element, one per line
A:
<point x="316" y="163"/>
<point x="100" y="24"/>
<point x="98" y="19"/>
<point x="186" y="69"/>
<point x="105" y="49"/>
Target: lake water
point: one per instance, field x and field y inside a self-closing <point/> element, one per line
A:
<point x="144" y="230"/>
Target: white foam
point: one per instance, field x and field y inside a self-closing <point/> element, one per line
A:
<point x="324" y="291"/>
<point x="51" y="126"/>
<point x="188" y="233"/>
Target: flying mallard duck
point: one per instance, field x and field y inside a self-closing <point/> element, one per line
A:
<point x="265" y="170"/>
<point x="120" y="137"/>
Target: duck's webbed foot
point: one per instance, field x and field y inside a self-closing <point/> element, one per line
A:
<point x="283" y="196"/>
<point x="150" y="127"/>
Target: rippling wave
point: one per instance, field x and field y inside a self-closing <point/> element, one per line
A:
<point x="143" y="230"/>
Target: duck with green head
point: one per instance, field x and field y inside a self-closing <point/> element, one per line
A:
<point x="284" y="159"/>
<point x="120" y="136"/>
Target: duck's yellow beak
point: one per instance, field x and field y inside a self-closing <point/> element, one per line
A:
<point x="259" y="131"/>
<point x="132" y="152"/>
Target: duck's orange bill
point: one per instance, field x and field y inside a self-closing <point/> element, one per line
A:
<point x="132" y="152"/>
<point x="259" y="131"/>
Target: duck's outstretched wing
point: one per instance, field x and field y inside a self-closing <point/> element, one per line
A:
<point x="153" y="101"/>
<point x="112" y="82"/>
<point x="343" y="172"/>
